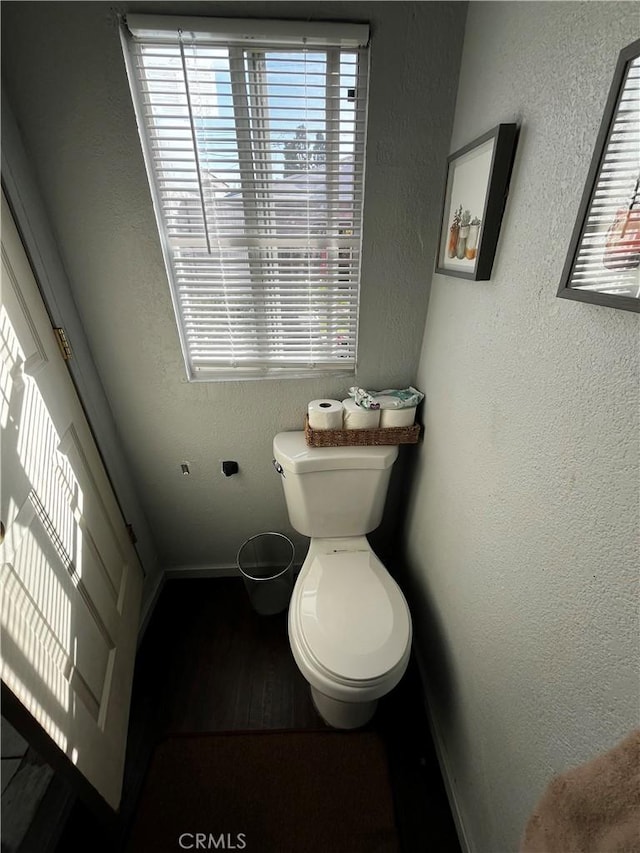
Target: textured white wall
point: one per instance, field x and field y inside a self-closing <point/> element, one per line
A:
<point x="65" y="77"/>
<point x="523" y="529"/>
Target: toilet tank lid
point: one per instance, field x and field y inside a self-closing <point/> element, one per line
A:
<point x="292" y="452"/>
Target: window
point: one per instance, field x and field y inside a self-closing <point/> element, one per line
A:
<point x="253" y="134"/>
<point x="603" y="262"/>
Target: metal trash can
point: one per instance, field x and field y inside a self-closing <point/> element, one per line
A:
<point x="266" y="564"/>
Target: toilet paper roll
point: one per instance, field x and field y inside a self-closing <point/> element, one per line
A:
<point x="397" y="417"/>
<point x="325" y="414"/>
<point x="355" y="417"/>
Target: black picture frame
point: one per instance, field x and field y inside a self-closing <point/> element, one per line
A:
<point x="477" y="175"/>
<point x="586" y="236"/>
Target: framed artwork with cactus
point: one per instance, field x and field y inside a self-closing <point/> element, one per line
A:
<point x="475" y="196"/>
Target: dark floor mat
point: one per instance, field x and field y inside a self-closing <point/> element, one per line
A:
<point x="267" y="792"/>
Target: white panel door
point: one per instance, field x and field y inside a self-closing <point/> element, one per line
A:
<point x="70" y="579"/>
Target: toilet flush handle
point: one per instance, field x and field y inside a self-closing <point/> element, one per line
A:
<point x="278" y="468"/>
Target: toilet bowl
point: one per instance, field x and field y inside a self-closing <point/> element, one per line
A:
<point x="349" y="623"/>
<point x="349" y="630"/>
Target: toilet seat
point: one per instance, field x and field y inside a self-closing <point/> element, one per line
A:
<point x="350" y="619"/>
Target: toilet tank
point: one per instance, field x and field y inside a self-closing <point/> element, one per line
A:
<point x="333" y="491"/>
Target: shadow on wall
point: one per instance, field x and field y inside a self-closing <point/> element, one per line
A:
<point x="430" y="644"/>
<point x="388" y="541"/>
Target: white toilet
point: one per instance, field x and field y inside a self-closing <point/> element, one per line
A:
<point x="349" y="624"/>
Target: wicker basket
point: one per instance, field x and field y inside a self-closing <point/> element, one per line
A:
<point x="360" y="437"/>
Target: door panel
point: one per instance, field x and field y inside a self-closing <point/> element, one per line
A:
<point x="71" y="582"/>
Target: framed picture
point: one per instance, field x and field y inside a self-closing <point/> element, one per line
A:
<point x="475" y="195"/>
<point x="603" y="261"/>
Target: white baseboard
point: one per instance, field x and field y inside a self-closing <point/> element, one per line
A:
<point x="443" y="760"/>
<point x="179" y="572"/>
<point x="148" y="606"/>
<point x="184" y="573"/>
<point x="202" y="572"/>
<point x="210" y="571"/>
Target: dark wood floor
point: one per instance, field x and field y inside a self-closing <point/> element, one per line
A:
<point x="209" y="663"/>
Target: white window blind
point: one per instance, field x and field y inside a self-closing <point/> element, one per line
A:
<point x="608" y="255"/>
<point x="254" y="144"/>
